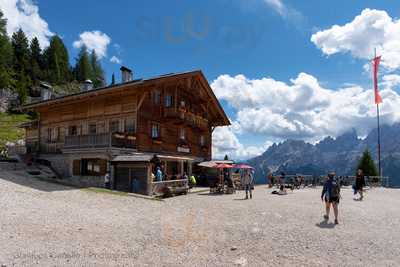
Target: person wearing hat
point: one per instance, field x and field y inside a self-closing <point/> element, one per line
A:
<point x="331" y="195"/>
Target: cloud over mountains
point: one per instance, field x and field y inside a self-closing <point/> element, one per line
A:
<point x="301" y="109"/>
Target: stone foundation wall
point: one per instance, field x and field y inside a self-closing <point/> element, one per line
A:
<point x="62" y="164"/>
<point x="85" y="181"/>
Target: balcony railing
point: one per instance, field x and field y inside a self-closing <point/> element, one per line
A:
<point x="120" y="140"/>
<point x="186" y="117"/>
<point x="51" y="148"/>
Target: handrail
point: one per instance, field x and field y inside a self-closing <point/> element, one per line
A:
<point x="170" y="181"/>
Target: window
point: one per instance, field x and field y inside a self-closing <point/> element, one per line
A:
<point x="182" y="133"/>
<point x="202" y="140"/>
<point x="58" y="134"/>
<point x="168" y="101"/>
<point x="130" y="125"/>
<point x="155" y="130"/>
<point x="156" y="97"/>
<point x="49" y="135"/>
<point x="114" y="126"/>
<point x="93" y="167"/>
<point x="101" y="127"/>
<point x="92" y="128"/>
<point x="73" y="130"/>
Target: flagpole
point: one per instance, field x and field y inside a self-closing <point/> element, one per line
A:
<point x="379" y="140"/>
<point x="379" y="136"/>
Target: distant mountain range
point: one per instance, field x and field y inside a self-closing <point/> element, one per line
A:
<point x="339" y="154"/>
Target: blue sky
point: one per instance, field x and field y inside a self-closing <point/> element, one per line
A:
<point x="268" y="42"/>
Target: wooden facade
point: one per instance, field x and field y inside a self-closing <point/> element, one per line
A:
<point x="170" y="115"/>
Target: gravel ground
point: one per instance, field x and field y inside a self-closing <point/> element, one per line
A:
<point x="46" y="224"/>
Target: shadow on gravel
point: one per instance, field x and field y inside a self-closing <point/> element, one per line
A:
<point x="210" y="194"/>
<point x="325" y="224"/>
<point x="36" y="183"/>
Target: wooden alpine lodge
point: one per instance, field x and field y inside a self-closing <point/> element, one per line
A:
<point x="127" y="129"/>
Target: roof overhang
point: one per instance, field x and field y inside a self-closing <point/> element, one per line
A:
<point x="148" y="157"/>
<point x="132" y="85"/>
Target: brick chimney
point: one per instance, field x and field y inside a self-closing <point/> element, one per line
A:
<point x="126" y="74"/>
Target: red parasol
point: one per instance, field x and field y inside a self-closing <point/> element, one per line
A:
<point x="243" y="166"/>
<point x="223" y="166"/>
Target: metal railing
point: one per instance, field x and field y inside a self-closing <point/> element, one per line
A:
<point x="16" y="150"/>
<point x="170" y="186"/>
<point x="306" y="180"/>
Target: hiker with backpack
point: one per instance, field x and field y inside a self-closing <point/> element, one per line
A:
<point x="331" y="195"/>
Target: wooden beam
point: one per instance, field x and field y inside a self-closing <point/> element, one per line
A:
<point x="141" y="101"/>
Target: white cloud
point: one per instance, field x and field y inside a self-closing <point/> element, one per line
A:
<point x="225" y="142"/>
<point x="286" y="12"/>
<point x="115" y="60"/>
<point x="24" y="14"/>
<point x="391" y="81"/>
<point x="369" y="30"/>
<point x="277" y="5"/>
<point x="94" y="40"/>
<point x="302" y="109"/>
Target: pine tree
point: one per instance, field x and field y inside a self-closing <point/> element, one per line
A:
<point x="83" y="68"/>
<point x="57" y="62"/>
<point x="21" y="65"/>
<point x="98" y="72"/>
<point x="21" y="51"/>
<point x="226" y="157"/>
<point x="367" y="164"/>
<point x="3" y="24"/>
<point x="35" y="60"/>
<point x="113" y="79"/>
<point x="6" y="56"/>
<point x="21" y="86"/>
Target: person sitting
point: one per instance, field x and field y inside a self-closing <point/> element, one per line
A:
<point x="282" y="191"/>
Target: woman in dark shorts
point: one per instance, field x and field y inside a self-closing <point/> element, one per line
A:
<point x="331" y="195"/>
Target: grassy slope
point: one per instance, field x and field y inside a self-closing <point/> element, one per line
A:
<point x="9" y="132"/>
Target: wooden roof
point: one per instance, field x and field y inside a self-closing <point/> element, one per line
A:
<point x="136" y="84"/>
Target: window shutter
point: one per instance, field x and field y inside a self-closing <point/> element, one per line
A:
<point x="76" y="167"/>
<point x="103" y="166"/>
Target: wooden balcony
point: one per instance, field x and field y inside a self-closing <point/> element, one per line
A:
<point x="103" y="140"/>
<point x="51" y="148"/>
<point x="186" y="117"/>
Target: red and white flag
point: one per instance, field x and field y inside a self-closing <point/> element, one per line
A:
<point x="375" y="64"/>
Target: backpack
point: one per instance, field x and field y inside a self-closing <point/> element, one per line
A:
<point x="335" y="193"/>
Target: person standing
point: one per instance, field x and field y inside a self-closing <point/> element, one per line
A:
<point x="282" y="179"/>
<point x="360" y="183"/>
<point x="107" y="180"/>
<point x="248" y="183"/>
<point x="159" y="174"/>
<point x="331" y="195"/>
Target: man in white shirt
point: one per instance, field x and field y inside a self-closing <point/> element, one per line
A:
<point x="248" y="183"/>
<point x="107" y="180"/>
